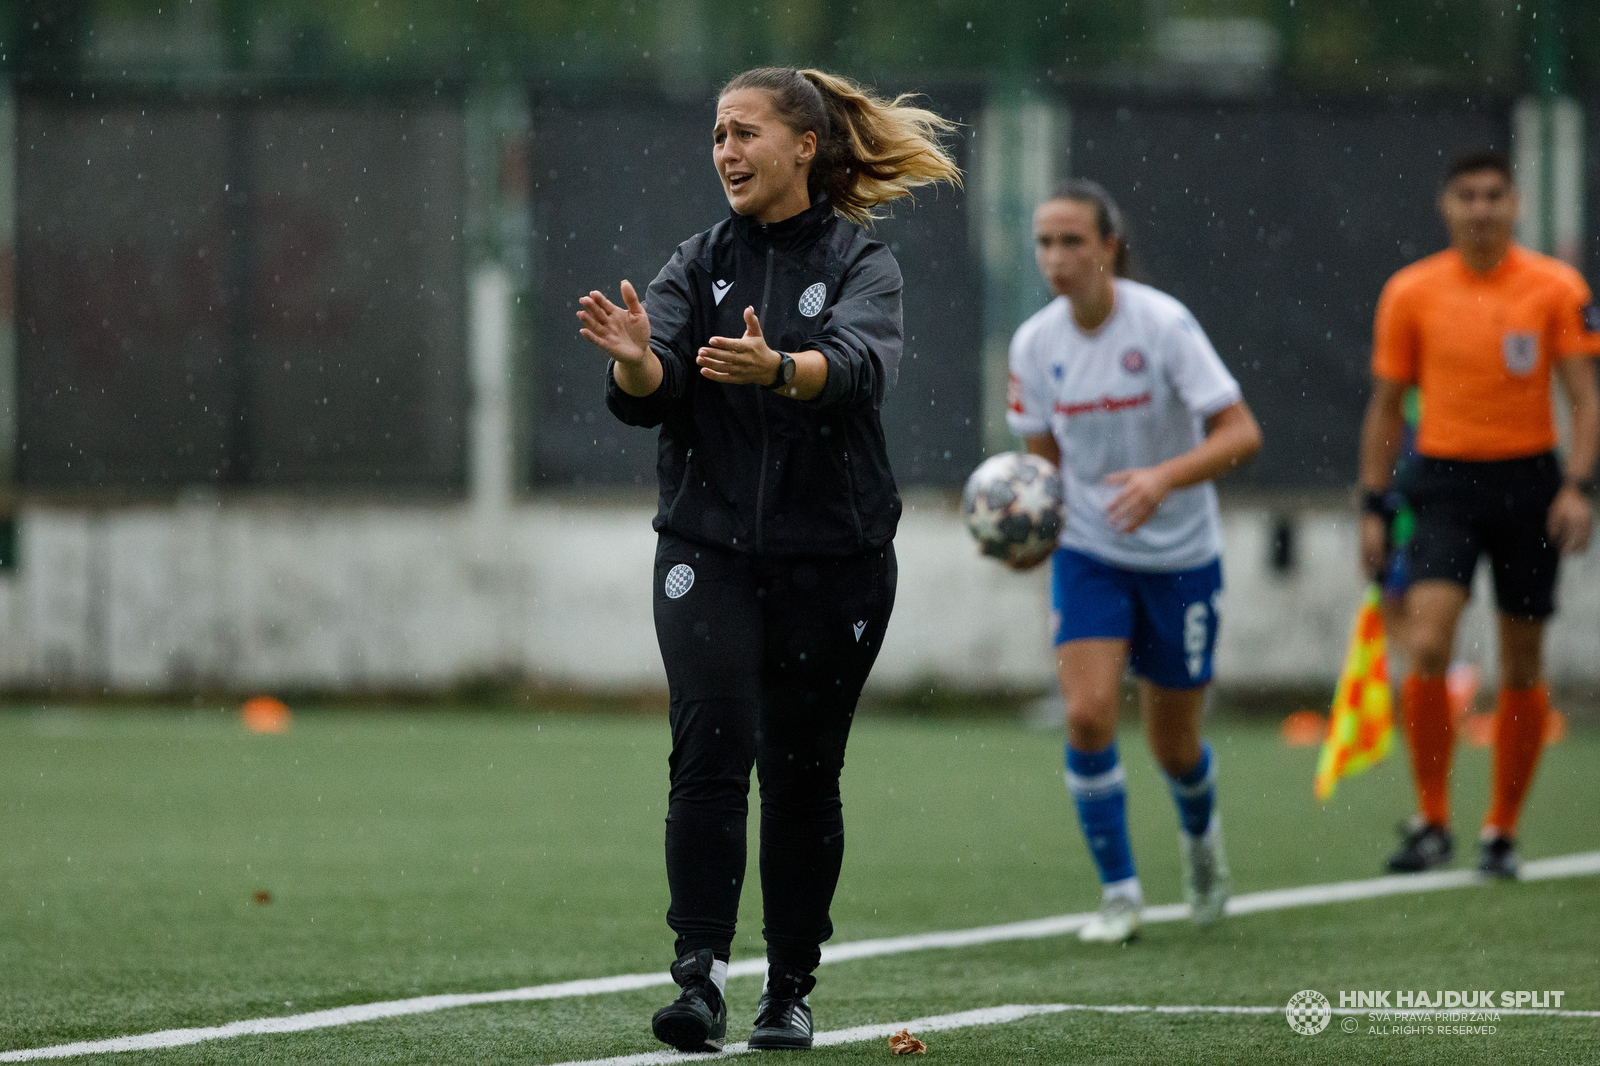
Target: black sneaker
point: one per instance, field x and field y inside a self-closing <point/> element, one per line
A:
<point x="1497" y="857"/>
<point x="1427" y="847"/>
<point x="783" y="1018"/>
<point x="698" y="1019"/>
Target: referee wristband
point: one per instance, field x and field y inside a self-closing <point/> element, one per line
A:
<point x="1585" y="485"/>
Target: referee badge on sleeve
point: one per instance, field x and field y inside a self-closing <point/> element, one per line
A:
<point x="1521" y="353"/>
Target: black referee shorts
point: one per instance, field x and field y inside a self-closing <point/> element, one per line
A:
<point x="1466" y="509"/>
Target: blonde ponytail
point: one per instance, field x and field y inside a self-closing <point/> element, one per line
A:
<point x="869" y="150"/>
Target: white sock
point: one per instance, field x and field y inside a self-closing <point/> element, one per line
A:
<point x="719" y="975"/>
<point x="1128" y="888"/>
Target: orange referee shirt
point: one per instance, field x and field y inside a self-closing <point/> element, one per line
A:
<point x="1480" y="348"/>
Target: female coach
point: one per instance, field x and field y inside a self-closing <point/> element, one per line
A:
<point x="763" y="350"/>
<point x="1117" y="383"/>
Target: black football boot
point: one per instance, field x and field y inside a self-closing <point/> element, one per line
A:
<point x="783" y="1018"/>
<point x="1497" y="857"/>
<point x="1425" y="846"/>
<point x="698" y="1019"/>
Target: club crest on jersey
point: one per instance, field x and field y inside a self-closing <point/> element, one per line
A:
<point x="1058" y="371"/>
<point x="811" y="299"/>
<point x="1521" y="353"/>
<point x="1133" y="361"/>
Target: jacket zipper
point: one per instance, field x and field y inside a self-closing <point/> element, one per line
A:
<point x="761" y="403"/>
<point x="683" y="486"/>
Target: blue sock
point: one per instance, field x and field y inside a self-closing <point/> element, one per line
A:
<point x="1100" y="789"/>
<point x="1195" y="793"/>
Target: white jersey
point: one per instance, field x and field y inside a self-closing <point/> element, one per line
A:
<point x="1134" y="393"/>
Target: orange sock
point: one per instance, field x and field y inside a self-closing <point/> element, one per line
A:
<point x="1426" y="705"/>
<point x="1518" y="740"/>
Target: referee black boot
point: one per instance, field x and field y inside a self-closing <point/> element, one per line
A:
<point x="783" y="1018"/>
<point x="1497" y="857"/>
<point x="698" y="1019"/>
<point x="1425" y="846"/>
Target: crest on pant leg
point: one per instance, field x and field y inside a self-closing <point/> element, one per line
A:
<point x="679" y="580"/>
<point x="1521" y="352"/>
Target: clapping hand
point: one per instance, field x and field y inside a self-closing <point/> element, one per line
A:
<point x="740" y="360"/>
<point x="621" y="332"/>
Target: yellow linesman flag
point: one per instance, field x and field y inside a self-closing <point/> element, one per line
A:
<point x="1361" y="727"/>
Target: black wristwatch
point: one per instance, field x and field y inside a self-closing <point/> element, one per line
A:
<point x="785" y="374"/>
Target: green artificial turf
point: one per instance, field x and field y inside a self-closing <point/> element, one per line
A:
<point x="413" y="852"/>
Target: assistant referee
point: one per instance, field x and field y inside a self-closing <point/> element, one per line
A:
<point x="1480" y="329"/>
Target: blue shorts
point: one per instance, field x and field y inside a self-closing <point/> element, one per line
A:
<point x="1168" y="618"/>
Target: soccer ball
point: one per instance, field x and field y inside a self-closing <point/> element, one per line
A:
<point x="1013" y="505"/>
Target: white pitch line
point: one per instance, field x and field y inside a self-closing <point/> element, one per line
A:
<point x="988" y="1016"/>
<point x="859" y="1034"/>
<point x="1580" y="864"/>
<point x="1577" y="864"/>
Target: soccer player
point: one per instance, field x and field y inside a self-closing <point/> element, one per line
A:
<point x="1117" y="384"/>
<point x="1480" y="329"/>
<point x="763" y="350"/>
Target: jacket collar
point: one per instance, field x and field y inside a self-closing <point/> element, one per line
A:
<point x="792" y="232"/>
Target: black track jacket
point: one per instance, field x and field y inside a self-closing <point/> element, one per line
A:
<point x="751" y="470"/>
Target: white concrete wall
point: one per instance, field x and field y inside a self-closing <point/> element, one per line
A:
<point x="263" y="596"/>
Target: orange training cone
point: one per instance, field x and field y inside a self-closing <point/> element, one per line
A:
<point x="265" y="714"/>
<point x="1303" y="729"/>
<point x="1478" y="728"/>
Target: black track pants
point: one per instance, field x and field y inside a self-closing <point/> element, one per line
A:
<point x="765" y="661"/>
